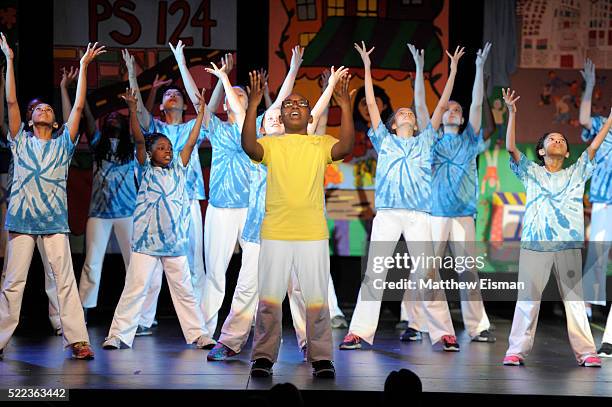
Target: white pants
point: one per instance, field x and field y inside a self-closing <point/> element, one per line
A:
<point x="223" y="227"/>
<point x="96" y="239"/>
<point x="461" y="233"/>
<point x="138" y="279"/>
<point x="388" y="226"/>
<point x="310" y="261"/>
<point x="196" y="268"/>
<point x="19" y="257"/>
<point x="534" y="271"/>
<point x="237" y="325"/>
<point x="49" y="283"/>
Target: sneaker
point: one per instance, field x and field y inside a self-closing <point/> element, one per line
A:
<point x="350" y="342"/>
<point x="411" y="334"/>
<point x="82" y="350"/>
<point x="513" y="360"/>
<point x="323" y="369"/>
<point x="305" y="353"/>
<point x="484" y="336"/>
<point x="220" y="352"/>
<point x="403" y="325"/>
<point x="591" y="361"/>
<point x="339" y="322"/>
<point x="261" y="367"/>
<point x="111" y="343"/>
<point x="204" y="342"/>
<point x="143" y="331"/>
<point x="450" y="343"/>
<point x="605" y="350"/>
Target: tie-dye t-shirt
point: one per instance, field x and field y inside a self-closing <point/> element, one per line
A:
<point x="554" y="213"/>
<point x="38" y="202"/>
<point x="162" y="215"/>
<point x="601" y="183"/>
<point x="403" y="171"/>
<point x="454" y="187"/>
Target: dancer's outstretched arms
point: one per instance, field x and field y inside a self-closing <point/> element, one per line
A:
<point x="287" y="87"/>
<point x="195" y="130"/>
<point x="420" y="104"/>
<point x="144" y="117"/>
<point x="478" y="89"/>
<point x="599" y="138"/>
<point x="14" y="116"/>
<point x="219" y="92"/>
<point x="266" y="89"/>
<point x="249" y="129"/>
<point x="347" y="128"/>
<point x="68" y="77"/>
<point x="325" y="98"/>
<point x="369" y="87"/>
<point x="436" y="118"/>
<point x="588" y="74"/>
<point x="131" y="98"/>
<point x="233" y="103"/>
<point x="510" y="99"/>
<point x="3" y="128"/>
<point x="322" y="124"/>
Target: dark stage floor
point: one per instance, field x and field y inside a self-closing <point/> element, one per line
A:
<point x="163" y="361"/>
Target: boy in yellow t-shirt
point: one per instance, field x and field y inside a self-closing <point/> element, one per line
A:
<point x="294" y="231"/>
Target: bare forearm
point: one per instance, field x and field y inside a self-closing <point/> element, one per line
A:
<point x="347" y="136"/>
<point x="139" y="139"/>
<point x="79" y="104"/>
<point x="249" y="135"/>
<point x="66" y="105"/>
<point x="189" y="82"/>
<point x="216" y="98"/>
<point x="371" y="99"/>
<point x="585" y="107"/>
<point x="321" y="127"/>
<point x="14" y="116"/>
<point x="287" y="88"/>
<point x="511" y="137"/>
<point x="141" y="112"/>
<point x="436" y="118"/>
<point x="601" y="135"/>
<point x="477" y="96"/>
<point x="193" y="136"/>
<point x="420" y="104"/>
<point x="232" y="100"/>
<point x="150" y="103"/>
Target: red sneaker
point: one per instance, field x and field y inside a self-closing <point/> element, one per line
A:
<point x="351" y="341"/>
<point x="513" y="360"/>
<point x="450" y="343"/>
<point x="82" y="350"/>
<point x="592" y="361"/>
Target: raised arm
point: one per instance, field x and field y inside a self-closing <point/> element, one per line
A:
<point x="322" y="123"/>
<point x="144" y="117"/>
<point x="249" y="129"/>
<point x="436" y="118"/>
<point x="369" y="87"/>
<point x="131" y="98"/>
<point x="347" y="128"/>
<point x="601" y="135"/>
<point x="420" y="104"/>
<point x="195" y="130"/>
<point x="218" y="92"/>
<point x="287" y="87"/>
<point x="588" y="74"/>
<point x="266" y="88"/>
<point x="489" y="120"/>
<point x="510" y="100"/>
<point x="68" y="76"/>
<point x="232" y="100"/>
<point x="3" y="129"/>
<point x="14" y="116"/>
<point x="81" y="91"/>
<point x="157" y="83"/>
<point x="323" y="101"/>
<point x="478" y="89"/>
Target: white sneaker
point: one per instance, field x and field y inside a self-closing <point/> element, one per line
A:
<point x="204" y="342"/>
<point x="111" y="343"/>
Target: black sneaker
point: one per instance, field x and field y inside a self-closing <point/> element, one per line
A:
<point x="323" y="369"/>
<point x="261" y="367"/>
<point x="605" y="350"/>
<point x="484" y="336"/>
<point x="411" y="334"/>
<point x="143" y="331"/>
<point x="450" y="344"/>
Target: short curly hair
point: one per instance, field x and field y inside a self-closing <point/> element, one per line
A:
<point x="540" y="145"/>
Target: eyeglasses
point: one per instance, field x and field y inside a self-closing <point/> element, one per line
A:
<point x="290" y="103"/>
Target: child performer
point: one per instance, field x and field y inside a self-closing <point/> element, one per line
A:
<point x="38" y="207"/>
<point x="161" y="223"/>
<point x="553" y="234"/>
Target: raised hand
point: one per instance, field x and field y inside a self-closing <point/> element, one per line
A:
<point x="129" y="61"/>
<point x="201" y="101"/>
<point x="216" y="71"/>
<point x="130" y="98"/>
<point x="178" y="52"/>
<point x="588" y="73"/>
<point x="418" y="56"/>
<point x="159" y="82"/>
<point x="510" y="99"/>
<point x="482" y="54"/>
<point x="68" y="76"/>
<point x="459" y="52"/>
<point x="324" y="79"/>
<point x="364" y="53"/>
<point x="335" y="76"/>
<point x="227" y="63"/>
<point x="256" y="88"/>
<point x="342" y="96"/>
<point x="91" y="53"/>
<point x="6" y="50"/>
<point x="297" y="53"/>
<point x="264" y="77"/>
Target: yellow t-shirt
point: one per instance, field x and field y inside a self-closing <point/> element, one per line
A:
<point x="294" y="191"/>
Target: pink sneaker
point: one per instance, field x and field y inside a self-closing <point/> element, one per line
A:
<point x="592" y="361"/>
<point x="513" y="360"/>
<point x="449" y="343"/>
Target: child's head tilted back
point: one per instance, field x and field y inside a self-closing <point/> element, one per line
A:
<point x="552" y="145"/>
<point x="159" y="149"/>
<point x="295" y="114"/>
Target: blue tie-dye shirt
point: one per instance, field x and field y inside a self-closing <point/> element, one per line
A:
<point x="601" y="183"/>
<point x="554" y="213"/>
<point x="230" y="167"/>
<point x="162" y="215"/>
<point x="257" y="204"/>
<point x="454" y="187"/>
<point x="113" y="193"/>
<point x="178" y="135"/>
<point x="403" y="170"/>
<point x="38" y="202"/>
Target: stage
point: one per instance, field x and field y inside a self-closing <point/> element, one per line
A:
<point x="165" y="363"/>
